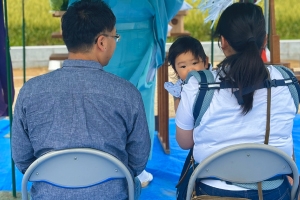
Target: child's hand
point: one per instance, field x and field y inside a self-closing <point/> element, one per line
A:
<point x="174" y="89"/>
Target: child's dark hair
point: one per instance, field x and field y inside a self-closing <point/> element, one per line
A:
<point x="185" y="44"/>
<point x="243" y="26"/>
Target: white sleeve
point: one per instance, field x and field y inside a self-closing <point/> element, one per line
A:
<point x="184" y="114"/>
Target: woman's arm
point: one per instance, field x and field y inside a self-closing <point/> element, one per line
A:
<point x="184" y="114"/>
<point x="184" y="138"/>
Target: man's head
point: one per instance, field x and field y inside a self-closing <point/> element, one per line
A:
<point x="87" y="25"/>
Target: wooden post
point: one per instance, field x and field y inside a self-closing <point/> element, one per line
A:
<point x="273" y="37"/>
<point x="163" y="107"/>
<point x="274" y="40"/>
<point x="58" y="56"/>
<point x="162" y="119"/>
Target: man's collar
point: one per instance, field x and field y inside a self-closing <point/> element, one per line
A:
<point x="82" y="63"/>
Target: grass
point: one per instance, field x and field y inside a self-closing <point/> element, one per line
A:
<point x="288" y="19"/>
<point x="194" y="23"/>
<point x="40" y="23"/>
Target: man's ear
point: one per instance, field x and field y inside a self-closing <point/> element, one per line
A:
<point x="101" y="43"/>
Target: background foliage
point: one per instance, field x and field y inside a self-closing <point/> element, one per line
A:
<point x="40" y="23"/>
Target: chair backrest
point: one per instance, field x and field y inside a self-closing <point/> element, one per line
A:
<point x="246" y="163"/>
<point x="76" y="168"/>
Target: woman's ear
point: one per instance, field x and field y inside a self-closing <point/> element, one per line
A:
<point x="227" y="49"/>
<point x="224" y="43"/>
<point x="206" y="63"/>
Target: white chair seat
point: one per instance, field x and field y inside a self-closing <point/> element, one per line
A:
<point x="246" y="163"/>
<point x="76" y="168"/>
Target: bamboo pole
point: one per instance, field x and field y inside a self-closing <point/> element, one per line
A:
<point x="23" y="41"/>
<point x="266" y="6"/>
<point x="212" y="47"/>
<point x="9" y="96"/>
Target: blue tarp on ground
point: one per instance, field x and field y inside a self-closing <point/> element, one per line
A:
<point x="165" y="168"/>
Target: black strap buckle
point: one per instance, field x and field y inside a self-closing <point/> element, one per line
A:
<point x="295" y="80"/>
<point x="203" y="86"/>
<point x="271" y="83"/>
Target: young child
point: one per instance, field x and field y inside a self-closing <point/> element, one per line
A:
<point x="185" y="54"/>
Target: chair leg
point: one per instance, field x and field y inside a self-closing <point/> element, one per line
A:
<point x="259" y="190"/>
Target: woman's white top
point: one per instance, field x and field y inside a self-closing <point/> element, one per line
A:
<point x="223" y="124"/>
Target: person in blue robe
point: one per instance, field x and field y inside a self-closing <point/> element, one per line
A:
<point x="143" y="26"/>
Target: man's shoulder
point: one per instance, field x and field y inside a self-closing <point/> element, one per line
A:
<point x="121" y="83"/>
<point x="36" y="83"/>
<point x="38" y="79"/>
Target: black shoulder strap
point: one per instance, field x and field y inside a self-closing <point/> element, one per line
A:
<point x="207" y="85"/>
<point x="294" y="80"/>
<point x="187" y="164"/>
<point x="289" y="79"/>
<point x="203" y="87"/>
<point x="292" y="83"/>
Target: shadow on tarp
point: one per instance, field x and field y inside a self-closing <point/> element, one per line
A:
<point x="165" y="168"/>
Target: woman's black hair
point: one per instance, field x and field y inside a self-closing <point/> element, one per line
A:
<point x="243" y="26"/>
<point x="185" y="44"/>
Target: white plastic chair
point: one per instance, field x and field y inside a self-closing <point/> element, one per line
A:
<point x="76" y="168"/>
<point x="246" y="163"/>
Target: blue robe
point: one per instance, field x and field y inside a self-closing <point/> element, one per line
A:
<point x="3" y="70"/>
<point x="143" y="26"/>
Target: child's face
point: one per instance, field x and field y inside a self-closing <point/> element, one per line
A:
<point x="186" y="62"/>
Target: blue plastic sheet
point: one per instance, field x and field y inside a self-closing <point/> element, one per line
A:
<point x="165" y="168"/>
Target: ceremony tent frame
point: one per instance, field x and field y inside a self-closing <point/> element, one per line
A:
<point x="270" y="24"/>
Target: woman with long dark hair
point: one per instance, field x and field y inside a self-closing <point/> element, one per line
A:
<point x="234" y="118"/>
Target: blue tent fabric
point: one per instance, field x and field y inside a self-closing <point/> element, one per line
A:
<point x="165" y="168"/>
<point x="3" y="70"/>
<point x="143" y="26"/>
